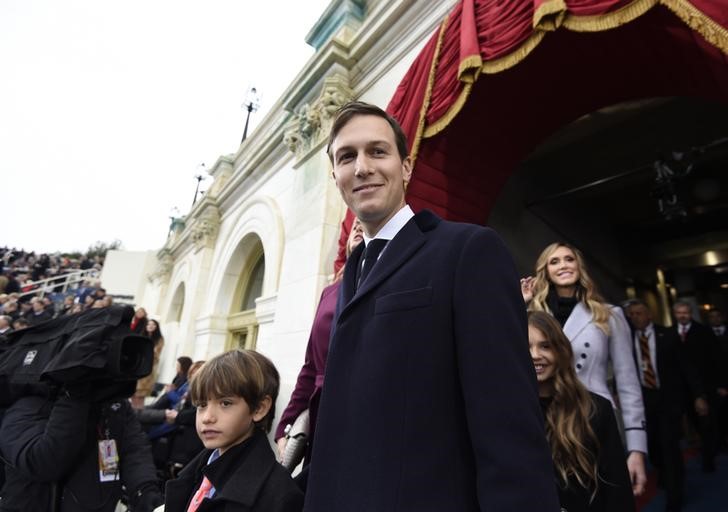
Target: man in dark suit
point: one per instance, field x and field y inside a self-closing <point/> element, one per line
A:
<point x="668" y="381"/>
<point x="720" y="330"/>
<point x="701" y="349"/>
<point x="429" y="400"/>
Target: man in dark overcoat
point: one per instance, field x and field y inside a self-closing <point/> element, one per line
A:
<point x="429" y="400"/>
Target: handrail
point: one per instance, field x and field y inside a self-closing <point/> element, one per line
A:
<point x="64" y="280"/>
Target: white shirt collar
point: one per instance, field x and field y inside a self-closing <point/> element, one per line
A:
<point x="393" y="225"/>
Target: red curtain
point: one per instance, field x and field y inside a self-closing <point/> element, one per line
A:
<point x="575" y="56"/>
<point x="462" y="163"/>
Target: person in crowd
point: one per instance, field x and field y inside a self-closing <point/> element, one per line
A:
<point x="181" y="373"/>
<point x="49" y="305"/>
<point x="6" y="326"/>
<point x="13" y="285"/>
<point x="428" y="318"/>
<point x="146" y="385"/>
<point x="83" y="292"/>
<point x="139" y="321"/>
<point x="307" y="393"/>
<point x="668" y="379"/>
<point x="66" y="306"/>
<point x="12" y="309"/>
<point x="40" y="313"/>
<point x="89" y="302"/>
<point x="717" y="323"/>
<point x="98" y="303"/>
<point x="599" y="335"/>
<point x="235" y="396"/>
<point x="20" y="323"/>
<point x="700" y="347"/>
<point x="581" y="428"/>
<point x="69" y="454"/>
<point x="170" y="425"/>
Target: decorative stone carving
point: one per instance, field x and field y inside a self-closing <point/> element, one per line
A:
<point x="165" y="263"/>
<point x="205" y="228"/>
<point x="310" y="125"/>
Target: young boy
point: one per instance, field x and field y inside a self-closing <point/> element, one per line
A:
<point x="235" y="396"/>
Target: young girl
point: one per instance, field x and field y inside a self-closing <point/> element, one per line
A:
<point x="580" y="426"/>
<point x="599" y="337"/>
<point x="235" y="396"/>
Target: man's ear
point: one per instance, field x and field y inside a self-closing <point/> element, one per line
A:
<point x="263" y="407"/>
<point x="406" y="171"/>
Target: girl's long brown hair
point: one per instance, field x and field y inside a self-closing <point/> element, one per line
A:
<point x="586" y="290"/>
<point x="573" y="442"/>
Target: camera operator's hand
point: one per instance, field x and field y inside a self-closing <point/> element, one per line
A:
<point x="146" y="498"/>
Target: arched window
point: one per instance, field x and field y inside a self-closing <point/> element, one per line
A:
<point x="242" y="322"/>
<point x="254" y="287"/>
<point x="177" y="306"/>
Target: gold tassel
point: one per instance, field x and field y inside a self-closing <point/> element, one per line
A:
<point x="549" y="15"/>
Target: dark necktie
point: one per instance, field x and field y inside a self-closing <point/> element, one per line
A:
<point x="648" y="372"/>
<point x="371" y="255"/>
<point x="683" y="333"/>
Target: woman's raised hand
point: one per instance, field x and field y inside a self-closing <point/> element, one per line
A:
<point x="527" y="288"/>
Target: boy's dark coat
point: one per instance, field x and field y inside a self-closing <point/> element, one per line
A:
<point x="246" y="478"/>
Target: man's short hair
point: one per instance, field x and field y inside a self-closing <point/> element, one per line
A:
<point x="358" y="108"/>
<point x="682" y="304"/>
<point x="244" y="373"/>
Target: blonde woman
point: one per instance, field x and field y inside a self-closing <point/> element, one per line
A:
<point x="580" y="427"/>
<point x="599" y="334"/>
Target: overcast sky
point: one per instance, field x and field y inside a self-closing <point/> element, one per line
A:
<point x="107" y="108"/>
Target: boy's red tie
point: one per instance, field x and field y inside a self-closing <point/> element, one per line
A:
<point x="200" y="495"/>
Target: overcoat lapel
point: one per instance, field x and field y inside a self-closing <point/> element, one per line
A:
<point x="403" y="246"/>
<point x="579" y="318"/>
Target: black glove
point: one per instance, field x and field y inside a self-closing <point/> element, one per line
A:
<point x="146" y="498"/>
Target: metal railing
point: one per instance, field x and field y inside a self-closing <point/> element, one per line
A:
<point x="65" y="282"/>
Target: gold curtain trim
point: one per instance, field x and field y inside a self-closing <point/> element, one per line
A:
<point x="609" y="20"/>
<point x="491" y="67"/>
<point x="453" y="111"/>
<point x="550" y="15"/>
<point x="428" y="93"/>
<point x="714" y="33"/>
<point x="698" y="21"/>
<point x="469" y="69"/>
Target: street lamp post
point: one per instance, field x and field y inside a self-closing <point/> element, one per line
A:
<point x="199" y="177"/>
<point x="252" y="103"/>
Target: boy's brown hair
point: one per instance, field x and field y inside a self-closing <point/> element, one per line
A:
<point x="244" y="373"/>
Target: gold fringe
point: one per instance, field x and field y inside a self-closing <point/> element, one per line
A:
<point x="428" y="93"/>
<point x="491" y="67"/>
<point x="699" y="22"/>
<point x="469" y="69"/>
<point x="713" y="32"/>
<point x="453" y="111"/>
<point x="609" y="20"/>
<point x="549" y="15"/>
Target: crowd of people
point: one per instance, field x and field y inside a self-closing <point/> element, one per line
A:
<point x="434" y="379"/>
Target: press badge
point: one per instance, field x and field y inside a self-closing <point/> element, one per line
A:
<point x="108" y="461"/>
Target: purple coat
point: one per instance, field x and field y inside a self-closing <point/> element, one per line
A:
<point x="311" y="377"/>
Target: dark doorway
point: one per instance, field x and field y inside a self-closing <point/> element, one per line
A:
<point x="638" y="187"/>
